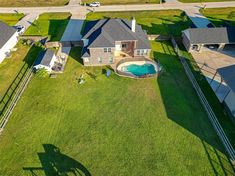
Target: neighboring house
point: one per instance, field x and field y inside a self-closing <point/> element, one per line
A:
<point x="8" y="39"/>
<point x="109" y="40"/>
<point x="228" y="76"/>
<point x="46" y="60"/>
<point x="195" y="39"/>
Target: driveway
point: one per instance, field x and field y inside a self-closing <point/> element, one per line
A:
<point x="197" y="18"/>
<point x="209" y="61"/>
<point x="28" y="20"/>
<point x="73" y="31"/>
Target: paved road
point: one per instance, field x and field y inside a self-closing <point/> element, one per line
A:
<point x="78" y="8"/>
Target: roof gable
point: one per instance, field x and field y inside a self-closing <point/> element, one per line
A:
<point x="6" y="32"/>
<point x="211" y="35"/>
<point x="104" y="33"/>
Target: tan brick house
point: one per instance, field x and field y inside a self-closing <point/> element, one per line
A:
<point x="108" y="40"/>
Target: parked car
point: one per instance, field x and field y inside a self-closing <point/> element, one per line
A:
<point x="94" y="4"/>
<point x="20" y="29"/>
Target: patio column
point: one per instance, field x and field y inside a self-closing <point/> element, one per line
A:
<point x="221" y="47"/>
<point x="200" y="47"/>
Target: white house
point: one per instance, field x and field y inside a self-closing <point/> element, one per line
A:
<point x="46" y="59"/>
<point x="8" y="39"/>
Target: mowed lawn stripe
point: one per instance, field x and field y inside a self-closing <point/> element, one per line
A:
<point x="113" y="125"/>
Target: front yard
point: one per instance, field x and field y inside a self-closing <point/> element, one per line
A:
<point x="49" y="24"/>
<point x="32" y="3"/>
<point x="163" y="22"/>
<point x="11" y="18"/>
<point x="220" y="16"/>
<point x="112" y="125"/>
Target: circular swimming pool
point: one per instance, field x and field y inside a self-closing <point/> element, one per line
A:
<point x="138" y="69"/>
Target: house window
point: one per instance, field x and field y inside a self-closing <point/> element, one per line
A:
<point x="124" y="45"/>
<point x="142" y="52"/>
<point x="111" y="60"/>
<point x="99" y="60"/>
<point x="86" y="59"/>
<point x="138" y="52"/>
<point x="107" y="50"/>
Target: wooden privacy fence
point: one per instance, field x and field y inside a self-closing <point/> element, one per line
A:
<point x="211" y="115"/>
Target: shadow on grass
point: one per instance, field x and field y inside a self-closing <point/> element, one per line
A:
<point x="28" y="62"/>
<point x="56" y="28"/>
<point x="56" y="163"/>
<point x="183" y="107"/>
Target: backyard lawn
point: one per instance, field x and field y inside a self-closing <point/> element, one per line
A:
<point x="12" y="70"/>
<point x="221" y="16"/>
<point x="11" y="18"/>
<point x="112" y="2"/>
<point x="112" y="125"/>
<point x="49" y="24"/>
<point x="31" y="3"/>
<point x="155" y="22"/>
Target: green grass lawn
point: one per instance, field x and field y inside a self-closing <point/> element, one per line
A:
<point x="113" y="2"/>
<point x="31" y="3"/>
<point x="112" y="126"/>
<point x="13" y="70"/>
<point x="50" y="24"/>
<point x="11" y="18"/>
<point x="155" y="22"/>
<point x="218" y="108"/>
<point x="220" y="16"/>
<point x="188" y="1"/>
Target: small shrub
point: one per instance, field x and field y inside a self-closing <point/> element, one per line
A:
<point x="231" y="15"/>
<point x="42" y="73"/>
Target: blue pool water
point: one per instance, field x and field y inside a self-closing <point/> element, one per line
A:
<point x="140" y="70"/>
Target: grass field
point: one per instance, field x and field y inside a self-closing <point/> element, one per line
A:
<point x="155" y="22"/>
<point x="13" y="70"/>
<point x="220" y="16"/>
<point x="49" y="24"/>
<point x="219" y="110"/>
<point x="112" y="126"/>
<point x="10" y="18"/>
<point x="31" y="3"/>
<point x="112" y="2"/>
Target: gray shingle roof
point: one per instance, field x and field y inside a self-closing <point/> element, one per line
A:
<point x="228" y="75"/>
<point x="105" y="32"/>
<point x="45" y="57"/>
<point x="211" y="35"/>
<point x="6" y="32"/>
